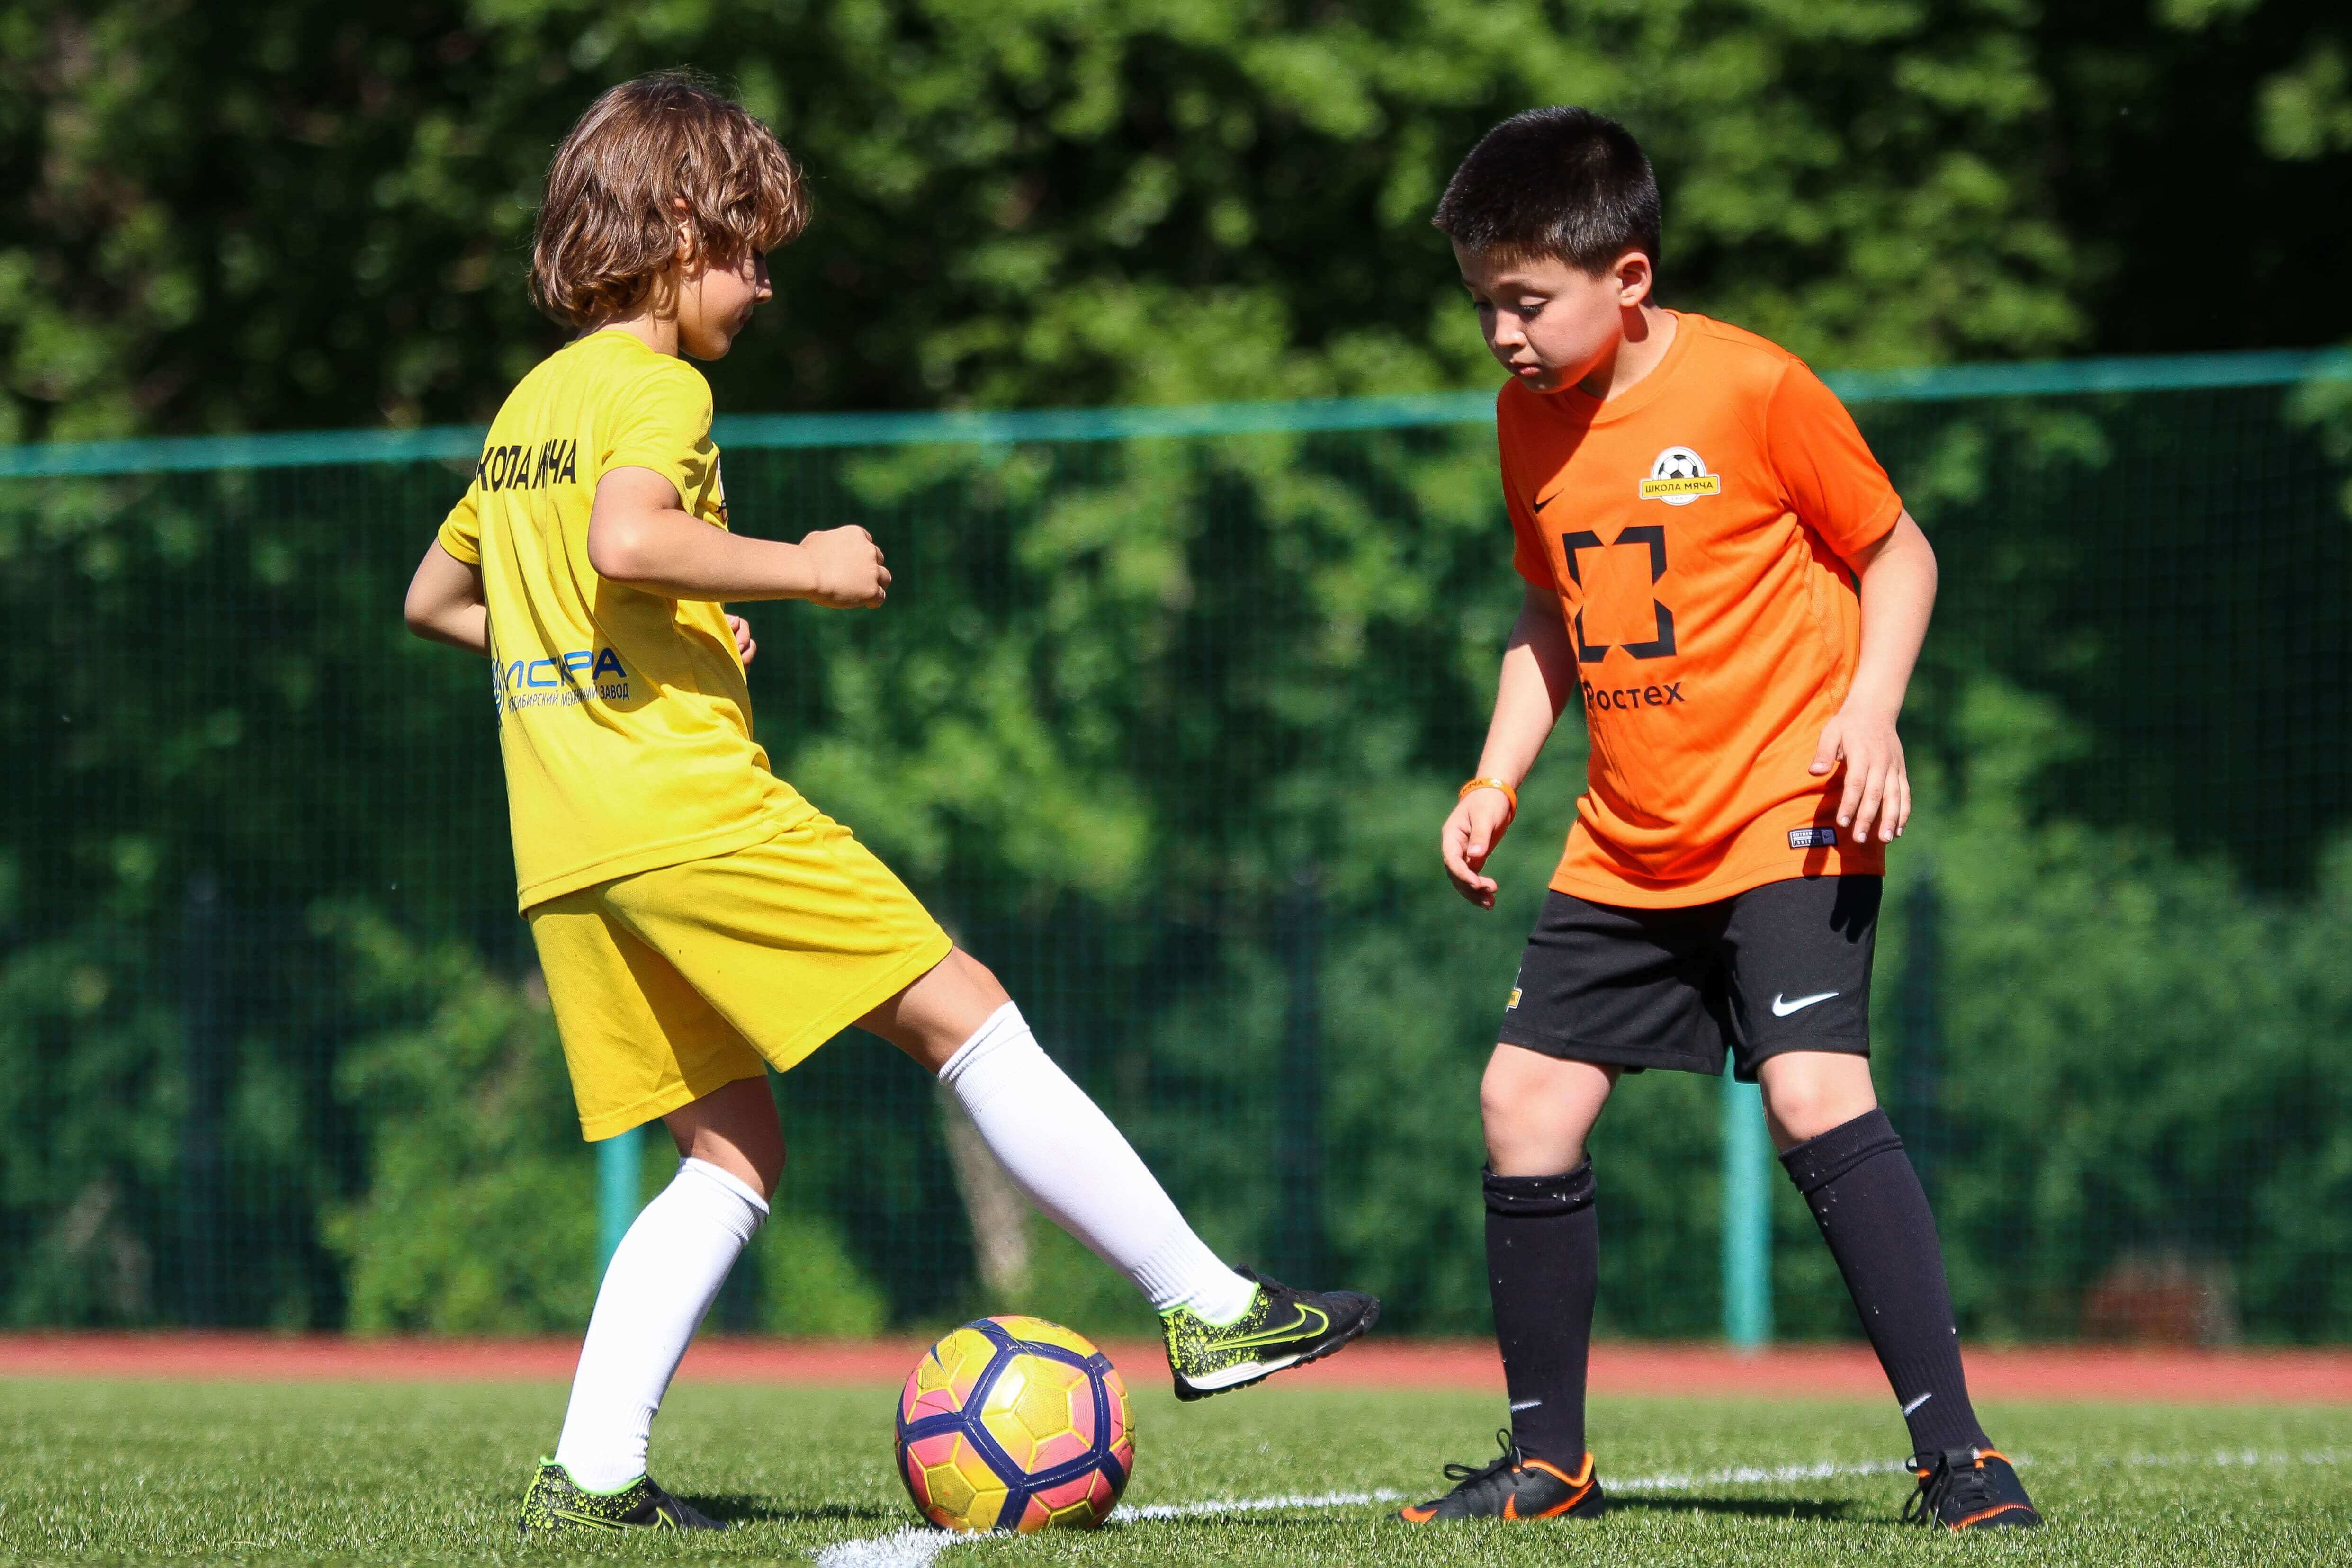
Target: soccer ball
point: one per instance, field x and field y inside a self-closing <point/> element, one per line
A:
<point x="1015" y="1423"/>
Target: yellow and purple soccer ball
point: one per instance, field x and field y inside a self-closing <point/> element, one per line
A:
<point x="1015" y="1423"/>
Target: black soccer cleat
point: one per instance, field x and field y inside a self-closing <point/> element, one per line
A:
<point x="557" y="1505"/>
<point x="1516" y="1486"/>
<point x="1969" y="1488"/>
<point x="1282" y="1328"/>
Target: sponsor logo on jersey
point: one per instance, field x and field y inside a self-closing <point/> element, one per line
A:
<point x="1678" y="477"/>
<point x="528" y="468"/>
<point x="564" y="680"/>
<point x="1664" y="693"/>
<point x="1812" y="837"/>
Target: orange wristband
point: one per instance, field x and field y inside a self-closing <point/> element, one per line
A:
<point x="1509" y="793"/>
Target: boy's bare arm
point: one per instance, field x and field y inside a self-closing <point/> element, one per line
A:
<point x="444" y="602"/>
<point x="639" y="535"/>
<point x="1898" y="593"/>
<point x="1540" y="675"/>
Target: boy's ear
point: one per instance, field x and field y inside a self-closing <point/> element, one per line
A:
<point x="1635" y="278"/>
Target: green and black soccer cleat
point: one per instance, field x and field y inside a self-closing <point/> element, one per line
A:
<point x="1516" y="1486"/>
<point x="555" y="1505"/>
<point x="1282" y="1328"/>
<point x="1969" y="1488"/>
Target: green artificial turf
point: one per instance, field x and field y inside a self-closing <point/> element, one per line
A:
<point x="422" y="1472"/>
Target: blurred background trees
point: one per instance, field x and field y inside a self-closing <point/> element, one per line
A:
<point x="288" y="214"/>
<point x="1162" y="727"/>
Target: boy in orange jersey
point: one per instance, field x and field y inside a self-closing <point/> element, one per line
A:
<point x="1719" y="570"/>
<point x="698" y="922"/>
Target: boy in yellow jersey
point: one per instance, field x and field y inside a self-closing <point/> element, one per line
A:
<point x="698" y="921"/>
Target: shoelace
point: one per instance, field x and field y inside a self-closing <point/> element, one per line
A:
<point x="1943" y="1480"/>
<point x="1276" y="1293"/>
<point x="1467" y="1476"/>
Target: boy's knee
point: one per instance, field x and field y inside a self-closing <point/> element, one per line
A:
<point x="1505" y="1104"/>
<point x="1803" y="1104"/>
<point x="1535" y="1111"/>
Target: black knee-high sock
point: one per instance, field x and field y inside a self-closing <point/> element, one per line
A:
<point x="1873" y="1213"/>
<point x="1543" y="1258"/>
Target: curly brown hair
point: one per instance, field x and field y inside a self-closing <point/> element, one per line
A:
<point x="609" y="225"/>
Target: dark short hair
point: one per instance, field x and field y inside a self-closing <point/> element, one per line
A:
<point x="610" y="221"/>
<point x="1561" y="182"/>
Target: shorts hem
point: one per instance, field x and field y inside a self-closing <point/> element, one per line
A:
<point x="1838" y="1044"/>
<point x="1643" y="1056"/>
<point x="613" y="1124"/>
<point x="920" y="961"/>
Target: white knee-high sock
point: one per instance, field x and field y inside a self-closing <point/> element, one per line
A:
<point x="663" y="1279"/>
<point x="1075" y="1166"/>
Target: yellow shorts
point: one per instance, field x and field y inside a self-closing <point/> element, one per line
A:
<point x="677" y="981"/>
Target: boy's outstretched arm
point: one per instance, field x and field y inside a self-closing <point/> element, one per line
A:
<point x="1540" y="675"/>
<point x="444" y="602"/>
<point x="1897" y="576"/>
<point x="639" y="535"/>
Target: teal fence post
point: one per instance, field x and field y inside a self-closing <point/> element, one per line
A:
<point x="1747" y="1216"/>
<point x="620" y="1177"/>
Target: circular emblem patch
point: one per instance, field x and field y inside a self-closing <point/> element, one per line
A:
<point x="1678" y="477"/>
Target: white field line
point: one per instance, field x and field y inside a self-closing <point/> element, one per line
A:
<point x="919" y="1547"/>
<point x="1691" y="1481"/>
<point x="1123" y="1513"/>
<point x="2224" y="1458"/>
<point x="916" y="1547"/>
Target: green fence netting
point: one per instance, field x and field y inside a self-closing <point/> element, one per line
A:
<point x="1162" y="719"/>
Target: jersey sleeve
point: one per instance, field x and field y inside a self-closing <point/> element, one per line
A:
<point x="662" y="421"/>
<point x="1825" y="466"/>
<point x="461" y="530"/>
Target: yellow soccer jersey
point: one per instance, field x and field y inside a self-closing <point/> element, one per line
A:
<point x="623" y="715"/>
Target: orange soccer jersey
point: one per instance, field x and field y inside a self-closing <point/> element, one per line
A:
<point x="1698" y="529"/>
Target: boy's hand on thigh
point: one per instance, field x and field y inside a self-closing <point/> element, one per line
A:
<point x="745" y="643"/>
<point x="1876" y="789"/>
<point x="1476" y="826"/>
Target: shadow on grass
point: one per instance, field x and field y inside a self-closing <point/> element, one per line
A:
<point x="1748" y="1507"/>
<point x="729" y="1508"/>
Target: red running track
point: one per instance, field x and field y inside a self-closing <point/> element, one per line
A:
<point x="1829" y="1372"/>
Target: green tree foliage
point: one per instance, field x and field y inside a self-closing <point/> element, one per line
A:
<point x="2201" y="155"/>
<point x="1163" y="729"/>
<point x="288" y="214"/>
<point x="293" y="214"/>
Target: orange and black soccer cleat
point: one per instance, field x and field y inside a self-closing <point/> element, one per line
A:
<point x="1969" y="1488"/>
<point x="1517" y="1486"/>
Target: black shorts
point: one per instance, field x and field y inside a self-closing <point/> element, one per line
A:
<point x="1785" y="966"/>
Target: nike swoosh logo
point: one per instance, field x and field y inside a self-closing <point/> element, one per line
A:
<point x="1314" y="1316"/>
<point x="1547" y="501"/>
<point x="1781" y="1009"/>
<point x="576" y="1517"/>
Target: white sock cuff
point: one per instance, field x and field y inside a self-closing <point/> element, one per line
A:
<point x="747" y="1213"/>
<point x="1002" y="1027"/>
<point x="1184" y="1273"/>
